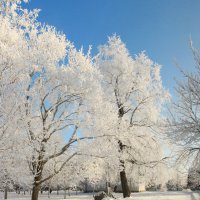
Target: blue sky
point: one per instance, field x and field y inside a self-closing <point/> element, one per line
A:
<point x="160" y="27"/>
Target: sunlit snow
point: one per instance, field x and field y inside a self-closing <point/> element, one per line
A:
<point x="136" y="196"/>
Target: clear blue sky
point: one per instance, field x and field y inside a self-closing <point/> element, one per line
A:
<point x="160" y="27"/>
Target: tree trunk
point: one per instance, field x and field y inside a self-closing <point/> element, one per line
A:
<point x="57" y="190"/>
<point x="124" y="184"/>
<point x="65" y="194"/>
<point x="93" y="188"/>
<point x="69" y="192"/>
<point x="86" y="186"/>
<point x="6" y="193"/>
<point x="107" y="187"/>
<point x="49" y="192"/>
<point x="35" y="192"/>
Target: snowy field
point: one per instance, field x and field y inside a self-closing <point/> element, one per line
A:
<point x="136" y="196"/>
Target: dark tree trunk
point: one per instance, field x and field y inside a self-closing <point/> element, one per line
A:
<point x="124" y="184"/>
<point x="38" y="167"/>
<point x="108" y="188"/>
<point x="35" y="192"/>
<point x="86" y="186"/>
<point x="115" y="188"/>
<point x="49" y="192"/>
<point x="57" y="190"/>
<point x="6" y="193"/>
<point x="69" y="192"/>
<point x="123" y="178"/>
<point x="65" y="193"/>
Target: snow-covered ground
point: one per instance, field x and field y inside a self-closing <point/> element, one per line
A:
<point x="136" y="196"/>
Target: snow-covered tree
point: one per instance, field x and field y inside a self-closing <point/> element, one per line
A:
<point x="13" y="52"/>
<point x="13" y="59"/>
<point x="184" y="118"/>
<point x="194" y="174"/>
<point x="54" y="99"/>
<point x="14" y="169"/>
<point x="134" y="90"/>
